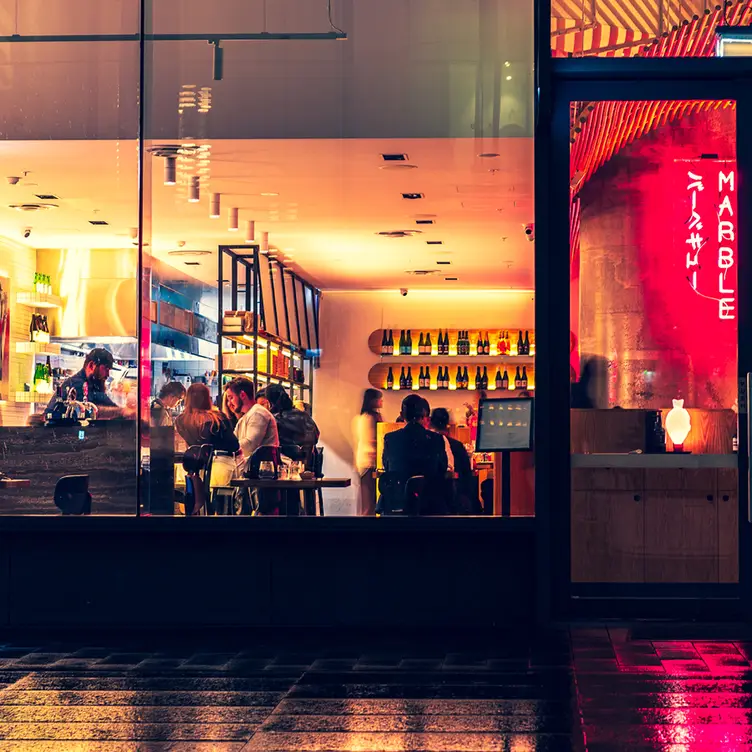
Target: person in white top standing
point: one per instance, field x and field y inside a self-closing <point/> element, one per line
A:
<point x="256" y="426"/>
<point x="365" y="449"/>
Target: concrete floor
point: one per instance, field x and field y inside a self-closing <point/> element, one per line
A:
<point x="586" y="689"/>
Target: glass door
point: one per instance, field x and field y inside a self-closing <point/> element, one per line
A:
<point x="646" y="189"/>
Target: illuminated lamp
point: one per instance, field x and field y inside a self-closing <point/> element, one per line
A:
<point x="678" y="425"/>
<point x="733" y="41"/>
<point x="214" y="211"/>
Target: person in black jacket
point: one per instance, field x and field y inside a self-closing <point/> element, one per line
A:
<point x="465" y="497"/>
<point x="412" y="451"/>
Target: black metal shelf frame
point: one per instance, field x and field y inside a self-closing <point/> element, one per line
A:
<point x="295" y="313"/>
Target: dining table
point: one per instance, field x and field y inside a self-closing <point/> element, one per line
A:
<point x="291" y="485"/>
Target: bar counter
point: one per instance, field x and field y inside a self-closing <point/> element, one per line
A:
<point x="104" y="450"/>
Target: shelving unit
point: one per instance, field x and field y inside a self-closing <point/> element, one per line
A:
<point x="374" y="344"/>
<point x="35" y="299"/>
<point x="30" y="398"/>
<point x="378" y="374"/>
<point x="283" y="311"/>
<point x="37" y="348"/>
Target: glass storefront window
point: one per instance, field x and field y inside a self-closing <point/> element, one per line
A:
<point x="68" y="263"/>
<point x="624" y="28"/>
<point x="294" y="194"/>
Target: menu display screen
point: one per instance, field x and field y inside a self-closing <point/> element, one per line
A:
<point x="505" y="425"/>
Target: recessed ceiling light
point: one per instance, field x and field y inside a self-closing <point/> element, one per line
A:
<point x="507" y="63"/>
<point x="434" y="242"/>
<point x="412" y="196"/>
<point x="187" y="252"/>
<point x="509" y="78"/>
<point x="394" y="157"/>
<point x="489" y="154"/>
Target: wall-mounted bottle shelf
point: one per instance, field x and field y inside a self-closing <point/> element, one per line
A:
<point x="379" y="374"/>
<point x="35" y="299"/>
<point x="506" y="348"/>
<point x="31" y="397"/>
<point x="37" y="348"/>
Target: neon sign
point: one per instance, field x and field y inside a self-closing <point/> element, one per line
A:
<point x="710" y="233"/>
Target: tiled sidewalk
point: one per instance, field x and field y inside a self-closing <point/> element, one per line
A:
<point x="593" y="689"/>
<point x="515" y="697"/>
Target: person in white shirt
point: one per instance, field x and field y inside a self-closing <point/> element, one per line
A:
<point x="364" y="430"/>
<point x="256" y="426"/>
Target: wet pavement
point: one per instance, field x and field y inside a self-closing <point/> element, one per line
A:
<point x="582" y="689"/>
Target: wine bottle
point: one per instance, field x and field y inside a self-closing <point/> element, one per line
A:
<point x="505" y="380"/>
<point x="485" y="378"/>
<point x="429" y="344"/>
<point x="409" y="380"/>
<point x="403" y="379"/>
<point x="402" y="342"/>
<point x="518" y="379"/>
<point x="479" y="345"/>
<point x="478" y="379"/>
<point x="421" y="383"/>
<point x="526" y="344"/>
<point x="421" y="345"/>
<point x="520" y="345"/>
<point x="523" y="380"/>
<point x="390" y="343"/>
<point x="465" y="379"/>
<point x="390" y="379"/>
<point x="384" y="342"/>
<point x="427" y="378"/>
<point x="48" y="372"/>
<point x="458" y="378"/>
<point x="409" y="348"/>
<point x="440" y="378"/>
<point x="498" y="379"/>
<point x="445" y="344"/>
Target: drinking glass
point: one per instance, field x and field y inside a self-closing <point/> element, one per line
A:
<point x="295" y="470"/>
<point x="283" y="473"/>
<point x="266" y="470"/>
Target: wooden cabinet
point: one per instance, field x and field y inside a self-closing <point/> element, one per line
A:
<point x="681" y="536"/>
<point x="657" y="525"/>
<point x="608" y="536"/>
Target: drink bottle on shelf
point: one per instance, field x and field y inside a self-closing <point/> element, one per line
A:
<point x="458" y="378"/>
<point x="384" y="343"/>
<point x="520" y="345"/>
<point x="526" y="343"/>
<point x="518" y="379"/>
<point x="409" y="346"/>
<point x="523" y="380"/>
<point x="409" y="380"/>
<point x="505" y="380"/>
<point x="403" y="379"/>
<point x="390" y="346"/>
<point x="484" y="384"/>
<point x="421" y="345"/>
<point x="421" y="377"/>
<point x="497" y="380"/>
<point x="390" y="379"/>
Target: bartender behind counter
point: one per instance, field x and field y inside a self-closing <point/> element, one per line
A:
<point x="94" y="374"/>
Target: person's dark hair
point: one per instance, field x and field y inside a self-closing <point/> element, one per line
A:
<point x="172" y="389"/>
<point x="100" y="357"/>
<point x="371" y="399"/>
<point x="440" y="419"/>
<point x="414" y="408"/>
<point x="279" y="399"/>
<point x="242" y="385"/>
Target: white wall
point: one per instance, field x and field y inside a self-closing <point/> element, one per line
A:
<point x="346" y="321"/>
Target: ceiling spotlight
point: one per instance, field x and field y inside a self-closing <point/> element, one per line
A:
<point x="250" y="231"/>
<point x="170" y="170"/>
<point x="195" y="193"/>
<point x="218" y="59"/>
<point x="507" y="63"/>
<point x="233" y="226"/>
<point x="214" y="212"/>
<point x="265" y="242"/>
<point x="509" y="78"/>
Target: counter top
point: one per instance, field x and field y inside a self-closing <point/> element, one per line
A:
<point x="658" y="461"/>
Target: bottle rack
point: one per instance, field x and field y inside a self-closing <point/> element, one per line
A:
<point x="375" y="339"/>
<point x="378" y="374"/>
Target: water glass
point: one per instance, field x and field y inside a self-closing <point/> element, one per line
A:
<point x="266" y="470"/>
<point x="283" y="473"/>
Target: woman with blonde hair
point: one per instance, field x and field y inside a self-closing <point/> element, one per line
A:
<point x="202" y="423"/>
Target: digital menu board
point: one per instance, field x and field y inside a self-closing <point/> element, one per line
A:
<point x="505" y="424"/>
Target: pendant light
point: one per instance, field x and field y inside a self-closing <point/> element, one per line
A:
<point x="195" y="193"/>
<point x="233" y="225"/>
<point x="170" y="170"/>
<point x="214" y="213"/>
<point x="250" y="231"/>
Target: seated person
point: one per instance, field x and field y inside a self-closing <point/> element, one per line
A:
<point x="465" y="496"/>
<point x="170" y="396"/>
<point x="201" y="423"/>
<point x="411" y="451"/>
